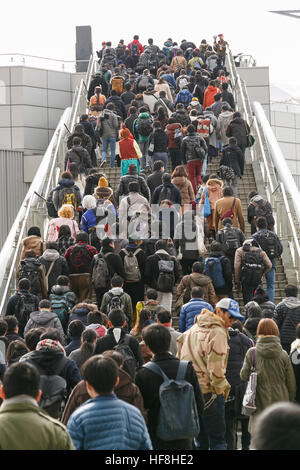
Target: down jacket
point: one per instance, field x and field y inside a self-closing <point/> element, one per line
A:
<point x="287" y="317"/>
<point x="199" y="280"/>
<point x="188" y="145"/>
<point x="185" y="187"/>
<point x="189" y="311"/>
<point x="105" y="423"/>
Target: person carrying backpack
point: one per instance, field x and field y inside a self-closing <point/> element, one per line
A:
<point x="79" y="258"/>
<point x="62" y="300"/>
<point x="184" y="96"/>
<point x="55" y="264"/>
<point x="270" y="243"/>
<point x="58" y="373"/>
<point x="161" y="273"/>
<point x="44" y="317"/>
<point x="250" y="264"/>
<point x="193" y="151"/>
<point x="104" y="266"/>
<point x="117" y="339"/>
<point x="117" y="82"/>
<point x="158" y="145"/>
<point x="166" y="191"/>
<point x="218" y="268"/>
<point x="136" y="49"/>
<point x="231" y="238"/>
<point x="117" y="298"/>
<point x="134" y="262"/>
<point x="185" y="398"/>
<point x="232" y="165"/>
<point x="66" y="193"/>
<point x="22" y="304"/>
<point x="259" y="207"/>
<point x="32" y="269"/>
<point x="142" y="129"/>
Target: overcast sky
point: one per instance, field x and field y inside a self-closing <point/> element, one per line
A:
<point x="48" y="28"/>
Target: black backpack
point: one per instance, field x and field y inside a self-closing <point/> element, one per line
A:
<point x="114" y="302"/>
<point x="54" y="390"/>
<point x="252" y="268"/>
<point x="24" y="307"/>
<point x="52" y="212"/>
<point x="267" y="240"/>
<point x="129" y="364"/>
<point x="134" y="50"/>
<point x="231" y="241"/>
<point x="144" y="126"/>
<point x="30" y="270"/>
<point x="166" y="278"/>
<point x="264" y="209"/>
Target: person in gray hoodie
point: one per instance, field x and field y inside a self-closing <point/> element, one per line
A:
<point x="223" y="121"/>
<point x="287" y="317"/>
<point x="44" y="318"/>
<point x="55" y="265"/>
<point x="107" y="129"/>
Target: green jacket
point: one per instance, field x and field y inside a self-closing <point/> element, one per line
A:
<point x="138" y="137"/>
<point x="275" y="376"/>
<point x="25" y="426"/>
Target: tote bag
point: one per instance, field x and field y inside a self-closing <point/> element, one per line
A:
<point x="206" y="207"/>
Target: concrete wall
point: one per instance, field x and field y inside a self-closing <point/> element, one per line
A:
<point x="258" y="85"/>
<point x="32" y="101"/>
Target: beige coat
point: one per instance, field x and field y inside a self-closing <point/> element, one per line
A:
<point x="33" y="243"/>
<point x="186" y="189"/>
<point x="225" y="204"/>
<point x="206" y="345"/>
<point x="240" y="253"/>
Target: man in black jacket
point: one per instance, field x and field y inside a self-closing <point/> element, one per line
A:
<point x="166" y="191"/>
<point x="132" y="175"/>
<point x="155" y="179"/>
<point x="217" y="254"/>
<point x="232" y="157"/>
<point x="114" y="264"/>
<point x="259" y="207"/>
<point x="228" y="96"/>
<point x="287" y="317"/>
<point x="98" y="80"/>
<point x="153" y="274"/>
<point x="86" y="140"/>
<point x="158" y="339"/>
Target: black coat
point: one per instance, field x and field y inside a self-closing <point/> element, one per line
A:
<point x="119" y="106"/>
<point x="227" y="273"/>
<point x="152" y="270"/>
<point x="237" y="128"/>
<point x="228" y="97"/>
<point x="160" y="140"/>
<point x="123" y="189"/>
<point x="232" y="156"/>
<point x="114" y="262"/>
<point x="97" y="81"/>
<point x="141" y="258"/>
<point x="239" y="344"/>
<point x="108" y="342"/>
<point x="154" y="180"/>
<point x="60" y="268"/>
<point x="130" y="121"/>
<point x="175" y="197"/>
<point x="149" y="383"/>
<point x="287" y="317"/>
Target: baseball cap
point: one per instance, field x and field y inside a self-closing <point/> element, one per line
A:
<point x="232" y="307"/>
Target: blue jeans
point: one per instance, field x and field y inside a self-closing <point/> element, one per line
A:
<point x="270" y="278"/>
<point x="109" y="141"/>
<point x="144" y="147"/>
<point x="213" y="428"/>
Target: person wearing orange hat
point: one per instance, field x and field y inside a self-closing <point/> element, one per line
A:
<point x="220" y="47"/>
<point x="128" y="150"/>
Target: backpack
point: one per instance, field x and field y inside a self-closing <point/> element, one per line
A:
<point x="134" y="50"/>
<point x="129" y="364"/>
<point x="115" y="302"/>
<point x="60" y="306"/>
<point x="100" y="274"/>
<point x="178" y="414"/>
<point x="144" y="126"/>
<point x="231" y="241"/>
<point x="54" y="390"/>
<point x="24" y="307"/>
<point x="80" y="259"/>
<point x="204" y="127"/>
<point x="213" y="269"/>
<point x="199" y="152"/>
<point x="184" y="97"/>
<point x="226" y="173"/>
<point x="117" y="83"/>
<point x="268" y="243"/>
<point x="165" y="194"/>
<point x="52" y="212"/>
<point x="131" y="266"/>
<point x="252" y="268"/>
<point x="262" y="209"/>
<point x="178" y="136"/>
<point x="182" y="82"/>
<point x="30" y="270"/>
<point x="67" y="196"/>
<point x="166" y="279"/>
<point x="143" y="83"/>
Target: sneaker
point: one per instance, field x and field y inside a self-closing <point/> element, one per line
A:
<point x="102" y="163"/>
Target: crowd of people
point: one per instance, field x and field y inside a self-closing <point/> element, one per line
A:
<point x="89" y="356"/>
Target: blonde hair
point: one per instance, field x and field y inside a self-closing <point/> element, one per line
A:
<point x="67" y="211"/>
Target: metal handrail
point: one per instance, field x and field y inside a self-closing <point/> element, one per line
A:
<point x="33" y="210"/>
<point x="279" y="184"/>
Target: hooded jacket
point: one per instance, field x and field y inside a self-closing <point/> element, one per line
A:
<point x="81" y="311"/>
<point x="189" y="311"/>
<point x="80" y="157"/>
<point x="275" y="375"/>
<point x="119" y="107"/>
<point x="239" y="129"/>
<point x="125" y="301"/>
<point x="181" y="116"/>
<point x="223" y="121"/>
<point x="33" y="243"/>
<point x="287" y="317"/>
<point x="44" y="319"/>
<point x="109" y="123"/>
<point x="209" y="96"/>
<point x="185" y="187"/>
<point x="239" y="344"/>
<point x="198" y="280"/>
<point x="86" y="140"/>
<point x="214" y="191"/>
<point x="206" y="345"/>
<point x="123" y="188"/>
<point x="250" y="328"/>
<point x="91" y="182"/>
<point x="60" y="266"/>
<point x="138" y="137"/>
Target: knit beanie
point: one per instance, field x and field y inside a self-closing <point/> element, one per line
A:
<point x="103" y="183"/>
<point x="125" y="133"/>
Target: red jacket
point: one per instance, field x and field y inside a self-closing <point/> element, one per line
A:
<point x="209" y="96"/>
<point x="141" y="49"/>
<point x="170" y="129"/>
